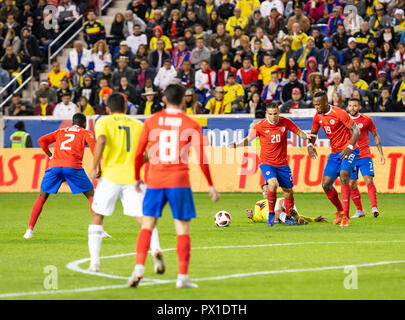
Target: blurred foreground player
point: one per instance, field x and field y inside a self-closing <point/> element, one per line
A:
<point x="64" y="165"/>
<point x="273" y="133"/>
<point x="365" y="162"/>
<point x="343" y="134"/>
<point x="170" y="134"/>
<point x="117" y="138"/>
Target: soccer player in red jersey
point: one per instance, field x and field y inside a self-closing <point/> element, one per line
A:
<point x="365" y="162"/>
<point x="273" y="132"/>
<point x="65" y="165"/>
<point x="343" y="134"/>
<point x="170" y="134"/>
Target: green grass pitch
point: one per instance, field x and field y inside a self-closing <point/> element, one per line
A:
<point x="310" y="265"/>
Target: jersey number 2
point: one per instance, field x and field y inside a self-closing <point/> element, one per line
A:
<point x="63" y="145"/>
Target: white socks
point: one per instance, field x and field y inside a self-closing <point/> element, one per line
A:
<point x="154" y="241"/>
<point x="95" y="237"/>
<point x="182" y="277"/>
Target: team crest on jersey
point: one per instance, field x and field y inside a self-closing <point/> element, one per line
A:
<point x="320" y="121"/>
<point x="282" y="129"/>
<point x="360" y="125"/>
<point x="267" y="131"/>
<point x="332" y="121"/>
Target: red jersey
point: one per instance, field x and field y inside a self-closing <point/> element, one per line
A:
<point x="170" y="134"/>
<point x="365" y="125"/>
<point x="69" y="146"/>
<point x="336" y="123"/>
<point x="273" y="140"/>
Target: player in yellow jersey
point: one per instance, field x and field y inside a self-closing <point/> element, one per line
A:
<point x="261" y="212"/>
<point x="117" y="137"/>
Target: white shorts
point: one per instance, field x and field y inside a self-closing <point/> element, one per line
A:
<point x="106" y="195"/>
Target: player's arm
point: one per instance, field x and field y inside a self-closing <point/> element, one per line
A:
<point x="310" y="146"/>
<point x="377" y="141"/>
<point x="245" y="142"/>
<point x="45" y="141"/>
<point x="98" y="152"/>
<point x="140" y="156"/>
<point x="355" y="136"/>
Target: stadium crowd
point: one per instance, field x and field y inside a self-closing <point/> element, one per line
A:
<point x="232" y="56"/>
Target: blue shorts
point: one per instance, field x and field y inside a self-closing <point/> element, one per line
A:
<point x="336" y="164"/>
<point x="77" y="180"/>
<point x="283" y="175"/>
<point x="366" y="168"/>
<point x="180" y="200"/>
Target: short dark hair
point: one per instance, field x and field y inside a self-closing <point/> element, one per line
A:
<point x="79" y="119"/>
<point x="174" y="94"/>
<point x="385" y="88"/>
<point x="20" y="126"/>
<point x="355" y="99"/>
<point x="271" y="105"/>
<point x="320" y="94"/>
<point x="116" y="102"/>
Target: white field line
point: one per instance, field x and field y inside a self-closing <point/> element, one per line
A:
<point x="74" y="267"/>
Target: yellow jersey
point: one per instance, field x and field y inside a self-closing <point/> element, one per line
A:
<point x="233" y="22"/>
<point x="218" y="107"/>
<point x="166" y="40"/>
<point x="265" y="73"/>
<point x="122" y="133"/>
<point x="232" y="92"/>
<point x="246" y="7"/>
<point x="298" y="41"/>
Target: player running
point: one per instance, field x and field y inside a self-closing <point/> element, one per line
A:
<point x="261" y="212"/>
<point x="272" y="132"/>
<point x="64" y="165"/>
<point x="170" y="134"/>
<point x="343" y="134"/>
<point x="117" y="137"/>
<point x="365" y="162"/>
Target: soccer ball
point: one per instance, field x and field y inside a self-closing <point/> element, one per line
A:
<point x="223" y="219"/>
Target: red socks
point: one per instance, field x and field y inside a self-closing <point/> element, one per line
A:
<point x="90" y="203"/>
<point x="183" y="253"/>
<point x="356" y="197"/>
<point x="372" y="194"/>
<point x="271" y="199"/>
<point x="346" y="199"/>
<point x="334" y="198"/>
<point x="142" y="246"/>
<point x="289" y="204"/>
<point x="36" y="211"/>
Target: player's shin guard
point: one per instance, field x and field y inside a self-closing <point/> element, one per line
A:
<point x="142" y="246"/>
<point x="333" y="196"/>
<point x="90" y="204"/>
<point x="183" y="253"/>
<point x="289" y="204"/>
<point x="36" y="211"/>
<point x="271" y="199"/>
<point x="346" y="199"/>
<point x="356" y="197"/>
<point x="95" y="237"/>
<point x="372" y="194"/>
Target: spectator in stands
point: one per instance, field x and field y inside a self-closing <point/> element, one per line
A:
<point x="353" y="20"/>
<point x="365" y="104"/>
<point x="56" y="75"/>
<point x="88" y="90"/>
<point x="371" y="52"/>
<point x="141" y="54"/>
<point x="25" y="13"/>
<point x="172" y="5"/>
<point x="256" y="21"/>
<point x="106" y="75"/>
<point x="117" y="31"/>
<point x="66" y="108"/>
<point x="204" y="82"/>
<point x="104" y="95"/>
<point x="174" y="27"/>
<point x="286" y="93"/>
<point x="157" y="20"/>
<point x="165" y="76"/>
<point x="379" y="20"/>
<point x="101" y="57"/>
<point x="139" y="7"/>
<point x="84" y="107"/>
<point x="44" y="107"/>
<point x="247" y="74"/>
<point x="271" y="91"/>
<point x="44" y="88"/>
<point x="4" y="78"/>
<point x="11" y="63"/>
<point x="247" y="7"/>
<point x="20" y="108"/>
<point x="331" y="69"/>
<point x="337" y="100"/>
<point x="11" y="23"/>
<point x="79" y="55"/>
<point x="318" y="37"/>
<point x="181" y="55"/>
<point x="234" y="93"/>
<point x="368" y="72"/>
<point x="220" y="37"/>
<point x="222" y="54"/>
<point x="200" y="53"/>
<point x="399" y="106"/>
<point x="132" y="19"/>
<point x="159" y="35"/>
<point x="78" y="77"/>
<point x="384" y="102"/>
<point x="349" y="53"/>
<point x="186" y="75"/>
<point x="316" y="84"/>
<point x="7" y="9"/>
<point x="213" y="20"/>
<point x="387" y="35"/>
<point x="299" y="17"/>
<point x="144" y="72"/>
<point x="236" y="20"/>
<point x="121" y="71"/>
<point x="44" y="34"/>
<point x="315" y="10"/>
<point x="64" y="89"/>
<point x="124" y="51"/>
<point x="189" y="38"/>
<point x="93" y="29"/>
<point x="217" y="104"/>
<point x="276" y="24"/>
<point x="266" y="44"/>
<point x="335" y="20"/>
<point x="282" y="53"/>
<point x="149" y="103"/>
<point x="199" y="33"/>
<point x="66" y="14"/>
<point x="30" y="52"/>
<point x="256" y="106"/>
<point x="363" y="35"/>
<point x="158" y="56"/>
<point x="375" y="87"/>
<point x="226" y="9"/>
<point x="192" y="106"/>
<point x="128" y="89"/>
<point x="296" y="102"/>
<point x="198" y="9"/>
<point x="136" y="39"/>
<point x="12" y="40"/>
<point x="339" y="38"/>
<point x="356" y="83"/>
<point x="306" y="51"/>
<point x="311" y="66"/>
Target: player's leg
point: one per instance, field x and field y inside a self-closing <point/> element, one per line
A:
<point x="372" y="194"/>
<point x="270" y="176"/>
<point x="153" y="203"/>
<point x="103" y="205"/>
<point x="285" y="180"/>
<point x="90" y="195"/>
<point x="51" y="182"/>
<point x="356" y="197"/>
